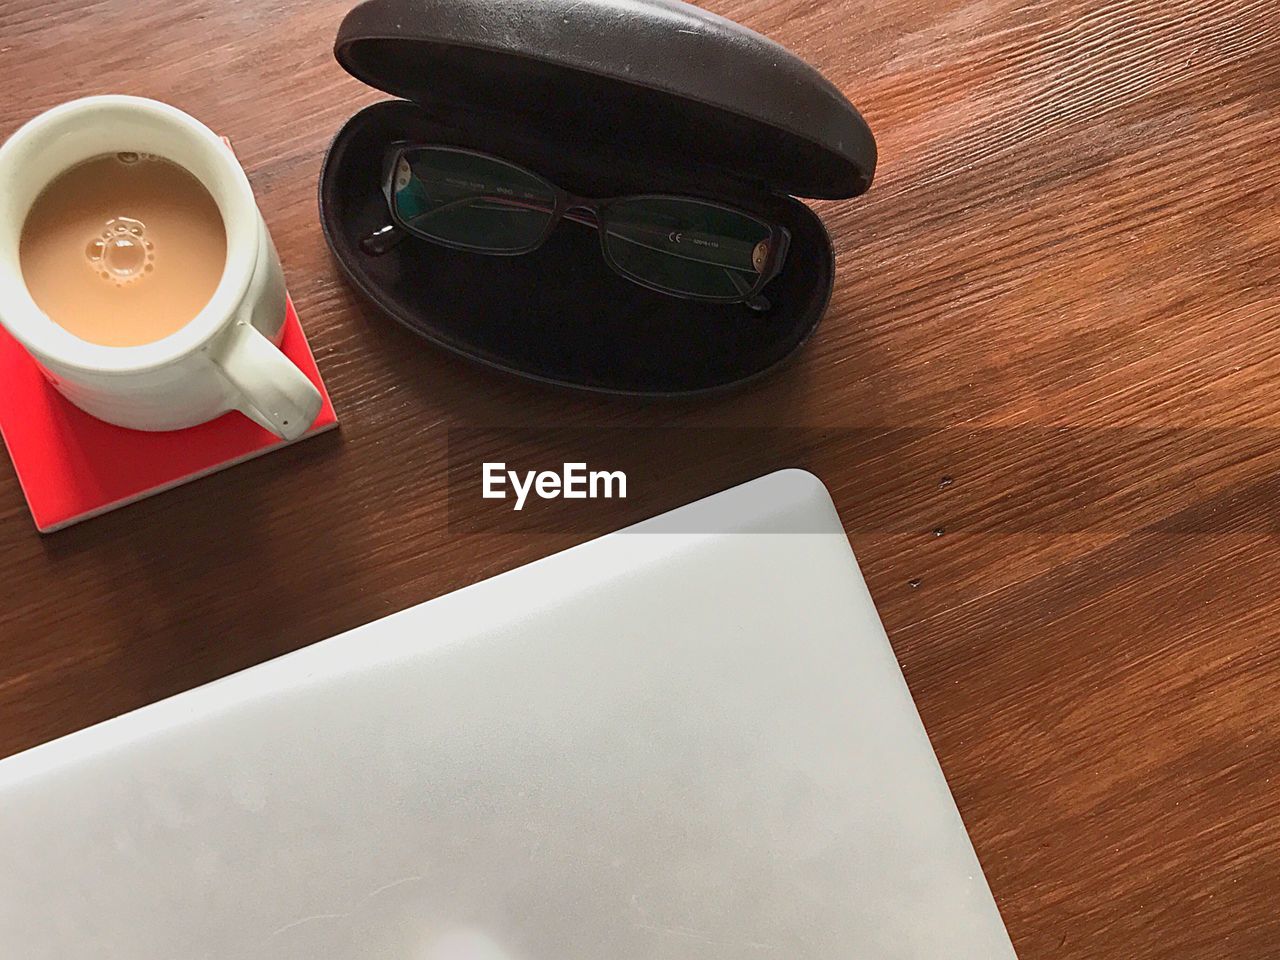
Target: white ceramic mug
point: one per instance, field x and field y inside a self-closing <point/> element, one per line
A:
<point x="227" y="357"/>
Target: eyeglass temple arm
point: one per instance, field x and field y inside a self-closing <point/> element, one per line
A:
<point x="736" y="249"/>
<point x="758" y="303"/>
<point x="387" y="238"/>
<point x="383" y="240"/>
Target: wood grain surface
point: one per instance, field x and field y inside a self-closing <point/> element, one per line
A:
<point x="1046" y="400"/>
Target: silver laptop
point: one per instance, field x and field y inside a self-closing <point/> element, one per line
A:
<point x="689" y="740"/>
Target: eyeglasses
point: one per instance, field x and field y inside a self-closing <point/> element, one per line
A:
<point x="680" y="246"/>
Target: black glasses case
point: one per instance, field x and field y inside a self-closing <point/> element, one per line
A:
<point x="605" y="98"/>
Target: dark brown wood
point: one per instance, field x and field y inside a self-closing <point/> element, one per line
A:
<point x="1076" y="224"/>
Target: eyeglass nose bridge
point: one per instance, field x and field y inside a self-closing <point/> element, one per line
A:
<point x="582" y="210"/>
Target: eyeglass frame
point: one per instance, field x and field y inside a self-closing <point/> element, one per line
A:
<point x="570" y="206"/>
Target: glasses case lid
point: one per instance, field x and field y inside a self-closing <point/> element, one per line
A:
<point x="675" y="83"/>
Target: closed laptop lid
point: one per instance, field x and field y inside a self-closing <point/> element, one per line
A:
<point x="689" y="740"/>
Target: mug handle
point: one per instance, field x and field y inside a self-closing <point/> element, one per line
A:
<point x="271" y="391"/>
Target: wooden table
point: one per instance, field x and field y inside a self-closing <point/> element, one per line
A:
<point x="1045" y="400"/>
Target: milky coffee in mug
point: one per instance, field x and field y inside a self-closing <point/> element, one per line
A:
<point x="123" y="249"/>
<point x="136" y="269"/>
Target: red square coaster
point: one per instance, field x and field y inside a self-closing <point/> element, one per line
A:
<point x="73" y="466"/>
